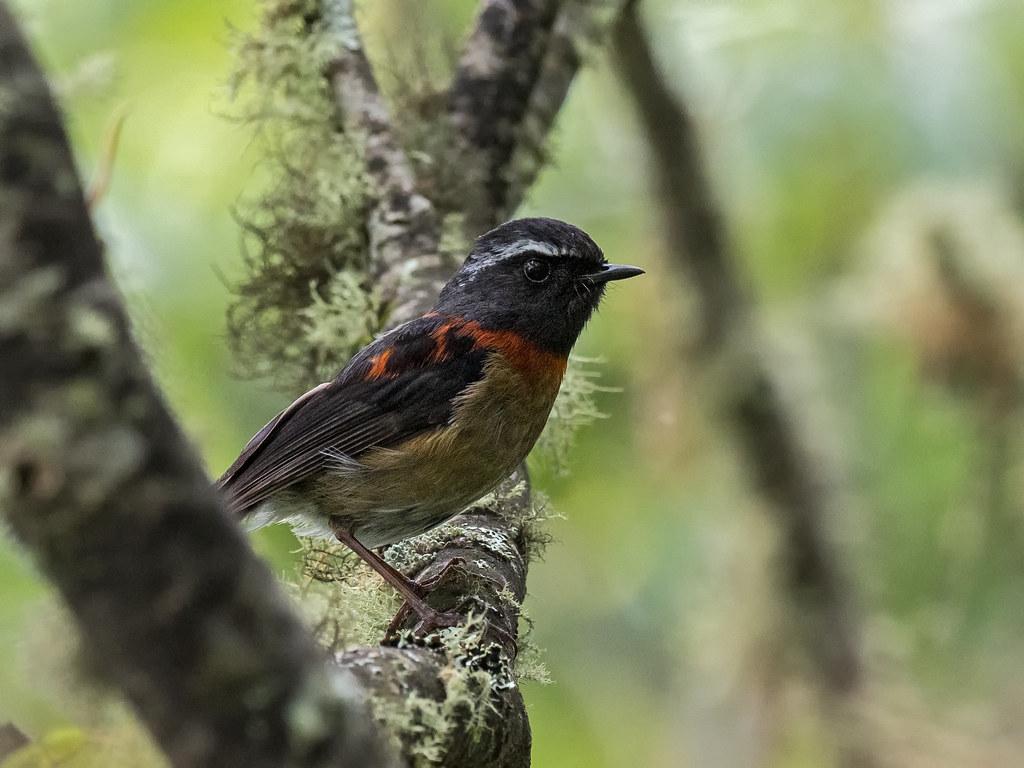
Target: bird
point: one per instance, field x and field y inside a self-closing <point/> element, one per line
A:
<point x="434" y="414"/>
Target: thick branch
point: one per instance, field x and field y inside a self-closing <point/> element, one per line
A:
<point x="402" y="224"/>
<point x="98" y="482"/>
<point x="513" y="77"/>
<point x="780" y="462"/>
<point x="491" y="92"/>
<point x="487" y="544"/>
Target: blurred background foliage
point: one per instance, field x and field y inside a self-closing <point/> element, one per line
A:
<point x="869" y="158"/>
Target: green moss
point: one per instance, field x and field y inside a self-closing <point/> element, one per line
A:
<point x="529" y="665"/>
<point x="342" y="320"/>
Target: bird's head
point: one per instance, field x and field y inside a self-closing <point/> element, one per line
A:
<point x="541" y="278"/>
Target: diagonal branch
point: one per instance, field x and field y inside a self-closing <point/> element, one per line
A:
<point x="490" y="93"/>
<point x="98" y="482"/>
<point x="513" y="77"/>
<point x="402" y="224"/>
<point x="779" y="460"/>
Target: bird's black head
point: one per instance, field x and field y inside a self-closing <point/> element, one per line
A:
<point x="541" y="278"/>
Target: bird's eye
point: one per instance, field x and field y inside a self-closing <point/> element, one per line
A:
<point x="537" y="270"/>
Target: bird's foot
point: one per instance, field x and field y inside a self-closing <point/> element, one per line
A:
<point x="436" y="620"/>
<point x="431" y="620"/>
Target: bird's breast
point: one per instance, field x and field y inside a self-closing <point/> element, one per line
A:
<point x="495" y="422"/>
<point x="420" y="483"/>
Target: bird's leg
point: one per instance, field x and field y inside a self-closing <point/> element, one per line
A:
<point x="430" y="619"/>
<point x="424" y="588"/>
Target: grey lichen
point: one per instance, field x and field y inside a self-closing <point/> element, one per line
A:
<point x="23" y="299"/>
<point x="472" y="674"/>
<point x="312" y="713"/>
<point x="306" y="303"/>
<point x="345" y="602"/>
<point x="574" y="408"/>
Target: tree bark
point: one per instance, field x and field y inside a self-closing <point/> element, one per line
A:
<point x="99" y="483"/>
<point x="513" y="77"/>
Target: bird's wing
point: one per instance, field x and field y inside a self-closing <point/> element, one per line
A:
<point x="401" y="385"/>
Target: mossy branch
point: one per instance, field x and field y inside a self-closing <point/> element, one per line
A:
<point x="402" y="225"/>
<point x="452" y="699"/>
<point x="98" y="482"/>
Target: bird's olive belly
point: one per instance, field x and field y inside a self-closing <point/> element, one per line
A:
<point x="403" y="491"/>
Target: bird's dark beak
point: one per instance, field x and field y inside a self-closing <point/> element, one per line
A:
<point x="615" y="272"/>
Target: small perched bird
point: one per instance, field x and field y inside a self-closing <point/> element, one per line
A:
<point x="436" y="413"/>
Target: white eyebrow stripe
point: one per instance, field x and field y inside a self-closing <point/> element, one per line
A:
<point x="510" y="250"/>
<point x="520" y="246"/>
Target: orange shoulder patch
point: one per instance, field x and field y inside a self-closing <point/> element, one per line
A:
<point x="440" y="337"/>
<point x="379" y="365"/>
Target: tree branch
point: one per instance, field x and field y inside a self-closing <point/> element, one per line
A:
<point x="490" y="92"/>
<point x="483" y="554"/>
<point x="513" y="77"/>
<point x="98" y="482"/>
<point x="780" y="462"/>
<point x="512" y="80"/>
<point x="402" y="224"/>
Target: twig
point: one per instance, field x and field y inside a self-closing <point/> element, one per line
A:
<point x="100" y="485"/>
<point x="104" y="174"/>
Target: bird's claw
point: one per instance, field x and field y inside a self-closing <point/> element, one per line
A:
<point x="428" y="623"/>
<point x="430" y="620"/>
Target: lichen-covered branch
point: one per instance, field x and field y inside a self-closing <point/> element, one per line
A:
<point x="453" y="697"/>
<point x="781" y="464"/>
<point x="512" y="79"/>
<point x="466" y="707"/>
<point x="100" y="485"/>
<point x="402" y="224"/>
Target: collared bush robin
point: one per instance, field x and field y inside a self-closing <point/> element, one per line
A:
<point x="434" y="414"/>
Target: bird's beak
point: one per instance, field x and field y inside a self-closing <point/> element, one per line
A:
<point x="615" y="272"/>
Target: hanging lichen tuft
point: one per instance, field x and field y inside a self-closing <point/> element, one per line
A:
<point x="305" y="304"/>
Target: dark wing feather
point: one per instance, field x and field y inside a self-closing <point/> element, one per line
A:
<point x="401" y="385"/>
<point x="257" y="440"/>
